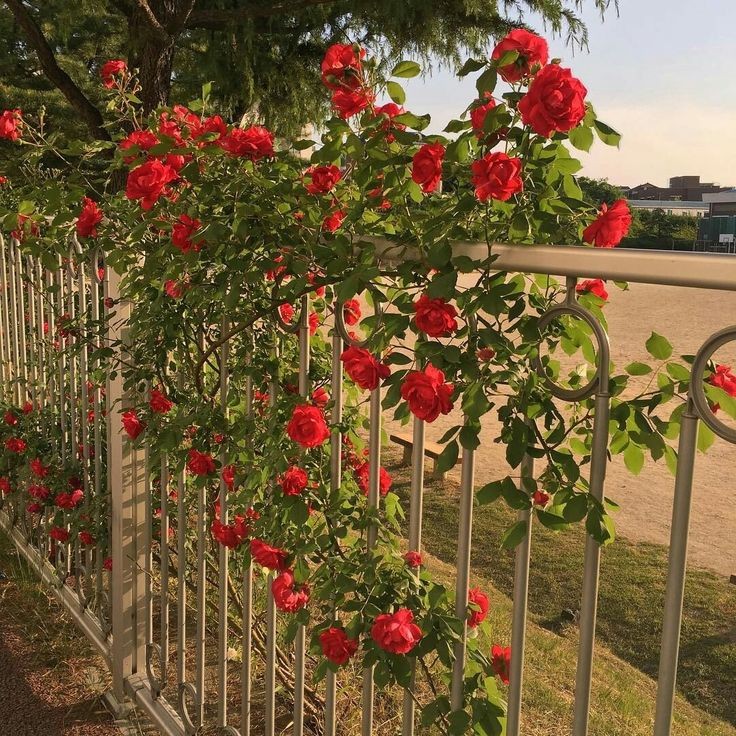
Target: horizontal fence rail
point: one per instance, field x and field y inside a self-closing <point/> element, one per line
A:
<point x="192" y="636"/>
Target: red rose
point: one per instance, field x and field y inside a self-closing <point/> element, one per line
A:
<point x="10" y="419"/>
<point x="362" y="476"/>
<point x="38" y="468"/>
<point x="333" y="222"/>
<point x="540" y="498"/>
<point x="480" y="605"/>
<point x="175" y="289"/>
<point x="363" y="368"/>
<point x="59" y="534"/>
<point x="501" y="662"/>
<point x="228" y="476"/>
<point x="555" y="101"/>
<point x="40" y="493"/>
<point x="111" y="69"/>
<point x="34" y="508"/>
<point x="427" y="166"/>
<point x="159" y="403"/>
<point x="478" y="115"/>
<point x="15" y="444"/>
<point x="307" y="426"/>
<point x="413" y="559"/>
<point x="320" y="397"/>
<point x="293" y="481"/>
<point x="435" y="317"/>
<point x="132" y="425"/>
<point x="351" y="312"/>
<point x="288" y="596"/>
<point x="351" y="102"/>
<point x="496" y="176"/>
<point x="213" y="125"/>
<point x="341" y="66"/>
<point x="396" y="632"/>
<point x="485" y="354"/>
<point x="230" y="535"/>
<point x="182" y="234"/>
<point x="611" y="225"/>
<point x="149" y="181"/>
<point x="11" y="124"/>
<point x="4" y="180"/>
<point x="253" y="143"/>
<point x="314" y="323"/>
<point x="86" y="538"/>
<point x="427" y="393"/>
<point x="5" y="488"/>
<point x="322" y="179"/>
<point x="143" y="140"/>
<point x="724" y="379"/>
<point x="89" y="218"/>
<point x="593" y="286"/>
<point x="107" y="564"/>
<point x="532" y="49"/>
<point x="26" y="226"/>
<point x="287" y="312"/>
<point x="27" y="408"/>
<point x="269" y="557"/>
<point x="69" y="500"/>
<point x="390" y="110"/>
<point x="200" y="463"/>
<point x="337" y="647"/>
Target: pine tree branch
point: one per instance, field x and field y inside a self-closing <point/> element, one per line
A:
<point x="61" y="80"/>
<point x="153" y="22"/>
<point x="219" y="19"/>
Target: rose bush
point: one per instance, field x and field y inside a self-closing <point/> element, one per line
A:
<point x="224" y="240"/>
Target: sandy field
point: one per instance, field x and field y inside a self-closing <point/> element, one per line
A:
<point x="687" y="317"/>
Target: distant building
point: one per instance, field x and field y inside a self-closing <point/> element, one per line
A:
<point x="684" y="188"/>
<point x="670" y="206"/>
<point x="717" y="229"/>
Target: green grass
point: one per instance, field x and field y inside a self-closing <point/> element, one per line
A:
<point x="630" y="606"/>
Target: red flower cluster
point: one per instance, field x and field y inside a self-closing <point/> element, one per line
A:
<point x="159" y="403"/>
<point x="337" y="647"/>
<point x="307" y="426"/>
<point x="38" y="468"/>
<point x="15" y="444"/>
<point x="427" y="393"/>
<point x="149" y="181"/>
<point x="724" y="379"/>
<point x="228" y="476"/>
<point x="413" y="559"/>
<point x="293" y="481"/>
<point x="396" y="632"/>
<point x="253" y="143"/>
<point x="496" y="176"/>
<point x="479" y="113"/>
<point x="532" y="50"/>
<point x="611" y="225"/>
<point x="182" y="234"/>
<point x="364" y="369"/>
<point x="200" y="463"/>
<point x="132" y="425"/>
<point x="479" y="607"/>
<point x="351" y="312"/>
<point x="342" y="73"/>
<point x="59" y="534"/>
<point x="69" y="500"/>
<point x="5" y="487"/>
<point x="501" y="662"/>
<point x="362" y="476"/>
<point x="333" y="222"/>
<point x="593" y="286"/>
<point x="287" y="595"/>
<point x="322" y="179"/>
<point x="89" y="218"/>
<point x="230" y="535"/>
<point x="435" y="317"/>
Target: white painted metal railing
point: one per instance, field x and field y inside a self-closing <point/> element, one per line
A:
<point x="170" y="651"/>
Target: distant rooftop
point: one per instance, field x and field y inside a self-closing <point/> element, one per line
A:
<point x="668" y="204"/>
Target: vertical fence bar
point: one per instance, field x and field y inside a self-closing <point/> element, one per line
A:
<point x="335" y="483"/>
<point x="519" y="616"/>
<point x="374" y="483"/>
<point x="415" y="543"/>
<point x="30" y="321"/>
<point x="181" y="587"/>
<point x="222" y="657"/>
<point x="467" y="480"/>
<point x="14" y="324"/>
<point x="675" y="590"/>
<point x="589" y="603"/>
<point x="21" y="325"/>
<point x="247" y="638"/>
<point x="5" y="296"/>
<point x="3" y="315"/>
<point x="201" y="606"/>
<point x="61" y="359"/>
<point x="300" y="639"/>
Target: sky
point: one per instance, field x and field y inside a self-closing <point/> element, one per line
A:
<point x="662" y="73"/>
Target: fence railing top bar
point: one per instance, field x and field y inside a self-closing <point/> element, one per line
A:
<point x="669" y="268"/>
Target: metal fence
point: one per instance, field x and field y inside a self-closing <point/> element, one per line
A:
<point x="170" y="618"/>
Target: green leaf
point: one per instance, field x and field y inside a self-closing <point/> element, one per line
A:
<point x="514" y="534"/>
<point x="576" y="508"/>
<point x="607" y="134"/>
<point x="581" y="137"/>
<point x="706" y="437"/>
<point x="474" y="403"/>
<point x="470" y="66"/>
<point x="490" y="492"/>
<point x="415" y="122"/>
<point x="634" y="458"/>
<point x="659" y="347"/>
<point x="638" y="369"/>
<point x="486" y="82"/>
<point x="406" y="69"/>
<point x="448" y="457"/>
<point x="396" y="92"/>
<point x="469" y="437"/>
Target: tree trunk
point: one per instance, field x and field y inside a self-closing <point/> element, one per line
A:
<point x="152" y="52"/>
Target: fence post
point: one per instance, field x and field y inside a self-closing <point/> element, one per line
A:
<point x="121" y="486"/>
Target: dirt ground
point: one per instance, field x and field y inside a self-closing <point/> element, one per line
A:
<point x="687" y="317"/>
